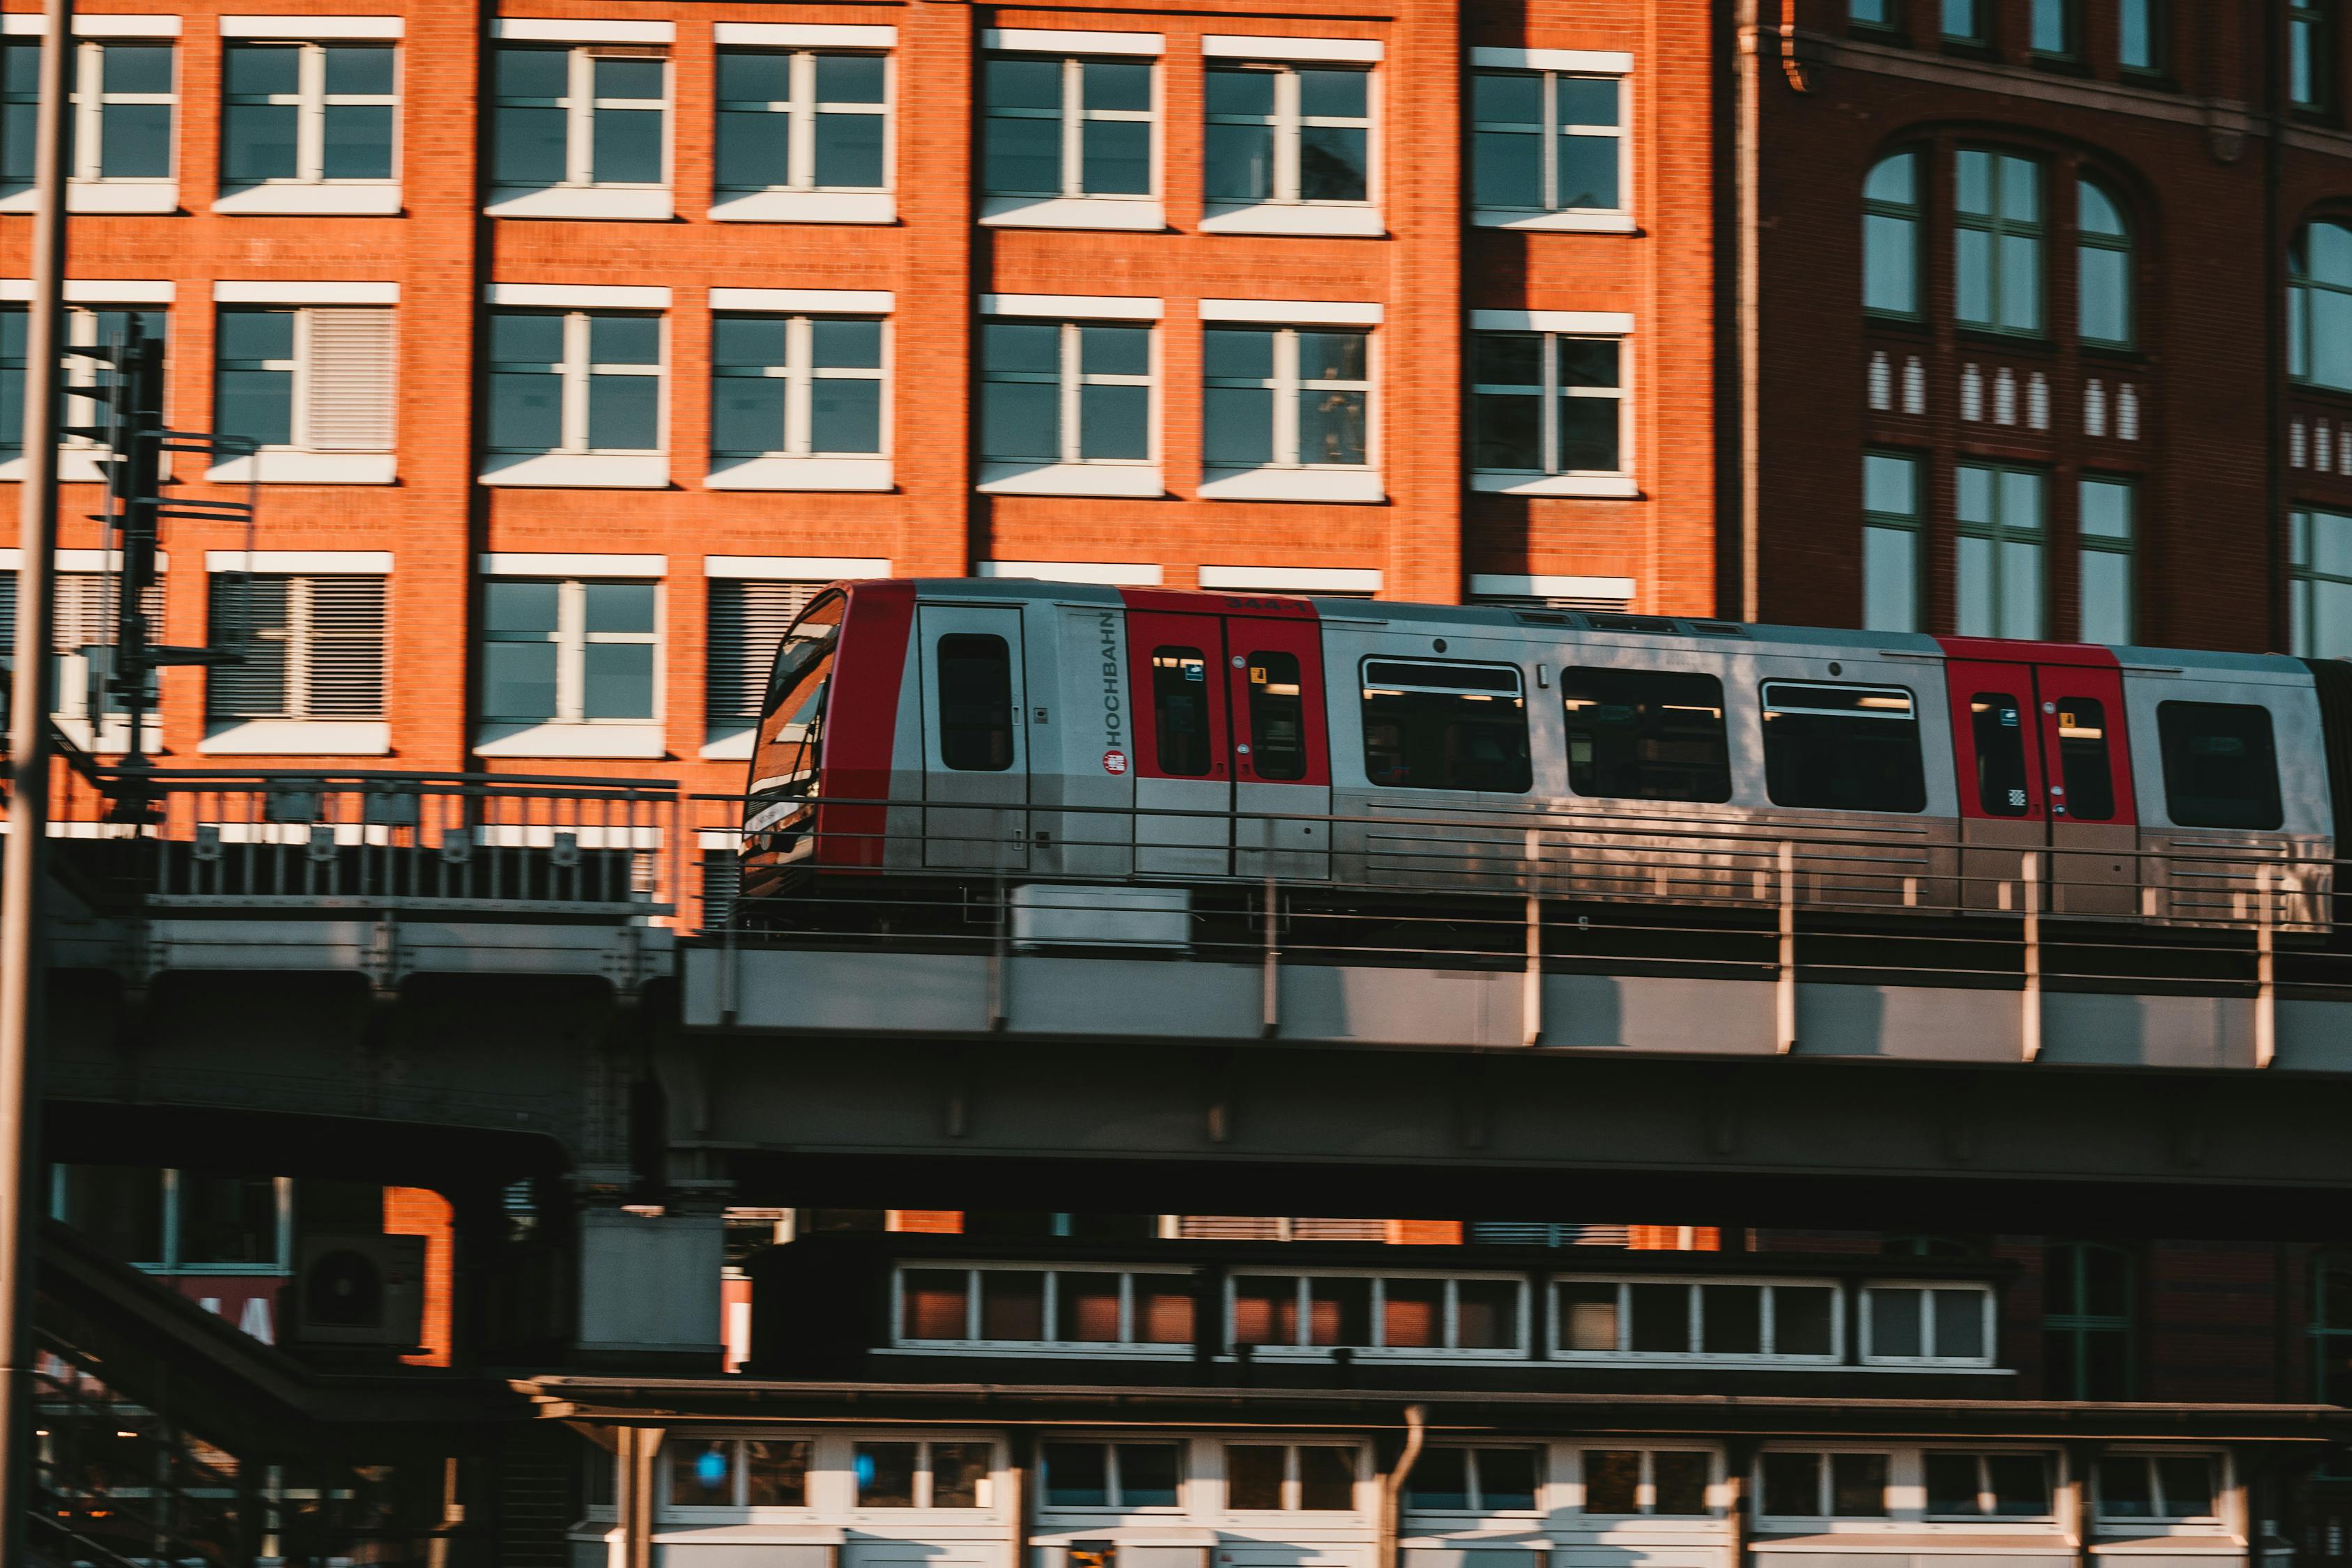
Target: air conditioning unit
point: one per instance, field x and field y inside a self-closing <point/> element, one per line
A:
<point x="360" y="1290"/>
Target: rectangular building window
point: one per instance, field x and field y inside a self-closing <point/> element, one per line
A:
<point x="2088" y="1288"/>
<point x="306" y="113"/>
<point x="1064" y="392"/>
<point x="1660" y="1482"/>
<point x="1963" y="21"/>
<point x="1547" y="142"/>
<point x="1286" y="396"/>
<point x="307" y="378"/>
<point x="2000" y="537"/>
<point x="1436" y="725"/>
<point x="1474" y="1480"/>
<point x="1987" y="1486"/>
<point x="1289" y="133"/>
<point x="85" y="327"/>
<point x="575" y="381"/>
<point x="1869" y="13"/>
<point x="1546" y="403"/>
<point x="795" y="386"/>
<point x="2156" y="1486"/>
<point x="310" y="647"/>
<point x="2310" y="54"/>
<point x="803" y="120"/>
<point x="1313" y="1477"/>
<point x="1103" y="1309"/>
<point x="1641" y="1319"/>
<point x="1890" y="555"/>
<point x="1927" y="1323"/>
<point x="923" y="1475"/>
<point x="1110" y="1475"/>
<point x="83" y="636"/>
<point x="585" y="116"/>
<point x="123" y="95"/>
<point x="747" y="621"/>
<point x="738" y="1472"/>
<point x="1843" y="748"/>
<point x="1067" y="127"/>
<point x="2319" y="586"/>
<point x="2104" y="527"/>
<point x="1823" y="1486"/>
<point x="1417" y="1316"/>
<point x="1997" y="242"/>
<point x="569" y="651"/>
<point x="2051" y="30"/>
<point x="2139" y="35"/>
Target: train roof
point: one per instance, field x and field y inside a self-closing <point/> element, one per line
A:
<point x="1680" y="629"/>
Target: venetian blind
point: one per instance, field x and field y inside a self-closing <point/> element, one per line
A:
<point x="348" y="396"/>
<point x="747" y="619"/>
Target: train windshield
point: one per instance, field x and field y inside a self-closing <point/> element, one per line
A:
<point x="792" y="717"/>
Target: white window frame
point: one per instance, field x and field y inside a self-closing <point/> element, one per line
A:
<point x="1553" y="326"/>
<point x="1126" y="1348"/>
<point x="1073" y="117"/>
<point x="1070" y="474"/>
<point x="800" y="377"/>
<point x="572" y="638"/>
<point x="1645" y="1491"/>
<point x="1286" y="211"/>
<point x="802" y="107"/>
<point x="737" y="1505"/>
<point x="576" y="368"/>
<point x="312" y="99"/>
<point x="579" y="193"/>
<point x="1552" y="65"/>
<point x="90" y="98"/>
<point x="79" y="457"/>
<point x="61" y="1175"/>
<point x="1289" y="1511"/>
<point x="296" y="463"/>
<point x="1111" y="1445"/>
<point x="580" y="104"/>
<point x="1286" y="478"/>
<point x="1987" y="1321"/>
<point x="1073" y="208"/>
<point x="1304" y="1349"/>
<point x="989" y="1492"/>
<point x="303" y="737"/>
<point x="1624" y="1352"/>
<point x="85" y="191"/>
<point x="1479" y="1507"/>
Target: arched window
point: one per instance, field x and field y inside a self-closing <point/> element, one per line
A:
<point x="2331" y="1328"/>
<point x="2086" y="1320"/>
<point x="2319" y="306"/>
<point x="2103" y="268"/>
<point x="1890" y="236"/>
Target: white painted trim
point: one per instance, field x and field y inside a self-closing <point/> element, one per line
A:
<point x="1294" y="579"/>
<point x="298" y="27"/>
<point x="795" y="568"/>
<point x="568" y="30"/>
<point x="1132" y="481"/>
<point x="352" y="563"/>
<point x="1294" y="312"/>
<point x="578" y="471"/>
<point x="298" y="738"/>
<point x="91" y="24"/>
<point x="1142" y="214"/>
<point x="805" y="34"/>
<point x="1070" y="41"/>
<point x="1591" y="62"/>
<point x="236" y="292"/>
<point x="275" y="465"/>
<point x="863" y="475"/>
<point x="804" y="206"/>
<point x="100" y="290"/>
<point x="1613" y="486"/>
<point x="1543" y="585"/>
<point x="108" y="196"/>
<point x="1255" y="46"/>
<point x="541" y="563"/>
<point x="380" y="199"/>
<point x="729" y="744"/>
<point x="80" y="560"/>
<point x="1293" y="484"/>
<point x="1353" y="221"/>
<point x="618" y="203"/>
<point x="641" y="740"/>
<point x="1091" y="307"/>
<point x="1110" y="573"/>
<point x="1617" y="322"/>
<point x="871" y="301"/>
<point x="578" y="296"/>
<point x="1573" y="222"/>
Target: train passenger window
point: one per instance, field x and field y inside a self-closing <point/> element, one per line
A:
<point x="1179" y="710"/>
<point x="975" y="702"/>
<point x="1843" y="748"/>
<point x="1277" y="719"/>
<point x="2221" y="767"/>
<point x="1997" y="723"/>
<point x="1434" y="725"/>
<point x="2083" y="765"/>
<point x="1640" y="734"/>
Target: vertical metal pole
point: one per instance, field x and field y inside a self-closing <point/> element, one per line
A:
<point x="1784" y="990"/>
<point x="2265" y="971"/>
<point x="2030" y="1025"/>
<point x="1531" y="987"/>
<point x="1269" y="1015"/>
<point x="28" y="794"/>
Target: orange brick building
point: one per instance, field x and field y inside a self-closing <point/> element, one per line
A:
<point x="581" y="336"/>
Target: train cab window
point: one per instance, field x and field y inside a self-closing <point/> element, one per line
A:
<point x="2220" y="766"/>
<point x="975" y="702"/>
<point x="1996" y="724"/>
<point x="791" y="741"/>
<point x="1642" y="734"/>
<point x="1277" y="719"/>
<point x="2083" y="762"/>
<point x="1434" y="725"/>
<point x="1843" y="748"/>
<point x="1180" y="711"/>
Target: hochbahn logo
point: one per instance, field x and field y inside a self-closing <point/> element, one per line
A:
<point x="1114" y="715"/>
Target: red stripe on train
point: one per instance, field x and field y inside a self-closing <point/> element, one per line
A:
<point x="861" y="724"/>
<point x="2000" y="650"/>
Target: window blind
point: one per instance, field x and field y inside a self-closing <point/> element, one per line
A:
<point x="84" y="614"/>
<point x="348" y="396"/>
<point x="313" y="646"/>
<point x="747" y="619"/>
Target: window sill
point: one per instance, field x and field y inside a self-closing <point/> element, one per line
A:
<point x="804" y="206"/>
<point x="272" y="467"/>
<point x="579" y="470"/>
<point x="1135" y="481"/>
<point x="800" y="474"/>
<point x="728" y="745"/>
<point x="110" y="737"/>
<point x="1293" y="484"/>
<point x="105" y="196"/>
<point x="1558" y="223"/>
<point x="554" y="739"/>
<point x="631" y="204"/>
<point x="76" y="466"/>
<point x="326" y="200"/>
<point x="1282" y="218"/>
<point x="298" y="738"/>
<point x="1618" y="486"/>
<point x="1135" y="214"/>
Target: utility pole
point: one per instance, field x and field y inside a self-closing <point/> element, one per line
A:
<point x="28" y="794"/>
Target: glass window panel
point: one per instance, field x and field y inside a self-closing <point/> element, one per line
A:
<point x="1858" y="1486"/>
<point x="1972" y="276"/>
<point x="932" y="1303"/>
<point x="1238" y="426"/>
<point x="1147" y="1475"/>
<point x="1180" y="711"/>
<point x="510" y="606"/>
<point x="526" y="412"/>
<point x="1589" y="432"/>
<point x="1023" y="83"/>
<point x="775" y="1472"/>
<point x="1326" y="1477"/>
<point x="1507" y="97"/>
<point x="846" y="79"/>
<point x="1894" y="180"/>
<point x="1115" y="158"/>
<point x="702" y="1475"/>
<point x="356" y="142"/>
<point x="626" y="147"/>
<point x="1487" y="1314"/>
<point x="1588" y="1315"/>
<point x="629" y="78"/>
<point x="1339" y="1312"/>
<point x="120" y="1207"/>
<point x="1413" y="1314"/>
<point x="1588" y="170"/>
<point x="957" y="1471"/>
<point x="1661" y="1317"/>
<point x="1890" y="579"/>
<point x="1164" y="1308"/>
<point x="625" y="340"/>
<point x="747" y="415"/>
<point x="1507" y="433"/>
<point x="2126" y="1488"/>
<point x="256" y="403"/>
<point x="2106" y="1270"/>
<point x="1115" y="85"/>
<point x="2020" y="282"/>
<point x="2221" y="770"/>
<point x="256" y="334"/>
<point x="1894" y="1322"/>
<point x="845" y="343"/>
<point x="1890" y="263"/>
<point x="1647" y="736"/>
<point x="1679" y="1481"/>
<point x="2020" y="1485"/>
<point x="532" y="73"/>
<point x="849" y="151"/>
<point x="1265" y="1309"/>
<point x="755" y="76"/>
<point x="1020" y="422"/>
<point x="1845" y="747"/>
<point x="1078" y="1475"/>
<point x="1333" y="162"/>
<point x="1506" y="1479"/>
<point x="1471" y="737"/>
<point x="228" y="1219"/>
<point x="624" y="412"/>
<point x="2186" y="1483"/>
<point x="1331" y="427"/>
<point x="136" y="67"/>
<point x="1507" y="168"/>
<point x="1239" y="90"/>
<point x="1333" y="94"/>
<point x="1952" y="1483"/>
<point x="845" y="417"/>
<point x="1959" y="1321"/>
<point x="1613" y="1481"/>
<point x="526" y="337"/>
<point x="1440" y="1480"/>
<point x="1240" y="162"/>
<point x="1023" y="157"/>
<point x="885" y="1474"/>
<point x="1793" y="1485"/>
<point x="1254" y="1476"/>
<point x="529" y="146"/>
<point x="1085" y="1308"/>
<point x="1114" y="351"/>
<point x="754" y="150"/>
<point x="1012" y="1301"/>
<point x="1803" y="1320"/>
<point x="617" y="680"/>
<point x="1997" y="730"/>
<point x="2106" y="590"/>
<point x="1731" y="1320"/>
<point x="359" y="69"/>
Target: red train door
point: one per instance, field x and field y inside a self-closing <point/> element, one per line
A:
<point x="1282" y="767"/>
<point x="2043" y="766"/>
<point x="1183" y="760"/>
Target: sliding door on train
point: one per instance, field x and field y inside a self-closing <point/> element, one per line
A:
<point x="1233" y="770"/>
<point x="2044" y="767"/>
<point x="975" y="755"/>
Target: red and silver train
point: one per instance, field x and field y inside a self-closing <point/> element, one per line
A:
<point x="958" y="729"/>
